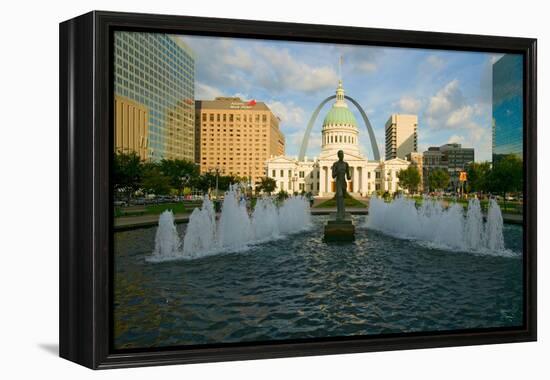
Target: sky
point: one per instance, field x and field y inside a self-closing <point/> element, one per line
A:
<point x="450" y="91"/>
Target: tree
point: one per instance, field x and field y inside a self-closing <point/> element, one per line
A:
<point x="204" y="181"/>
<point x="154" y="180"/>
<point x="266" y="184"/>
<point x="506" y="175"/>
<point x="127" y="173"/>
<point x="478" y="176"/>
<point x="180" y="172"/>
<point x="282" y="195"/>
<point x="438" y="179"/>
<point x="409" y="178"/>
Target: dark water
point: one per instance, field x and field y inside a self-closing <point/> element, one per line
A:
<point x="303" y="288"/>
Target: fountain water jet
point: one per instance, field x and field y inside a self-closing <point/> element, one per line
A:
<point x="167" y="242"/>
<point x="444" y="228"/>
<point x="235" y="230"/>
<point x="201" y="230"/>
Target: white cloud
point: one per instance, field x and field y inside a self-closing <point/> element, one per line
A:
<point x="445" y="100"/>
<point x="449" y="110"/>
<point x="436" y="62"/>
<point x="409" y="104"/>
<point x="361" y="59"/>
<point x="278" y="69"/>
<point x="239" y="58"/>
<point x="368" y="67"/>
<point x="458" y="117"/>
<point x="456" y="139"/>
<point x="204" y="91"/>
<point x="290" y="114"/>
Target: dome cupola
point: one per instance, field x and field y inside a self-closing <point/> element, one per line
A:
<point x="340" y="127"/>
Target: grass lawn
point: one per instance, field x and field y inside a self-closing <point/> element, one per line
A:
<point x="157" y="209"/>
<point x="349" y="201"/>
<point x="508" y="207"/>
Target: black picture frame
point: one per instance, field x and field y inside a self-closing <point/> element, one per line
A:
<point x="86" y="114"/>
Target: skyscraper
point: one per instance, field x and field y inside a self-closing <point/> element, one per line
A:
<point x="401" y="136"/>
<point x="155" y="73"/>
<point x="237" y="137"/>
<point x="508" y="106"/>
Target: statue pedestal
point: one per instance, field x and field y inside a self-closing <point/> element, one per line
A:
<point x="339" y="230"/>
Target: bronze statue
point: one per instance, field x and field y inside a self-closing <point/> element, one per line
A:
<point x="340" y="171"/>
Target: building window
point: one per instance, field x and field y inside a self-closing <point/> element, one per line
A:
<point x="377" y="175"/>
<point x="211" y="117"/>
<point x="302" y="174"/>
<point x="282" y="185"/>
<point x="302" y="188"/>
<point x="273" y="173"/>
<point x="368" y="175"/>
<point x="289" y="173"/>
<point x="203" y="117"/>
<point x="282" y="173"/>
<point x="264" y="118"/>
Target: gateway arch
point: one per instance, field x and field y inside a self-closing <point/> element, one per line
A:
<point x="372" y="138"/>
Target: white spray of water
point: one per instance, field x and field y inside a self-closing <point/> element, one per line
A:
<point x="265" y="220"/>
<point x="167" y="242"/>
<point x="201" y="230"/>
<point x="495" y="239"/>
<point x="235" y="229"/>
<point x="443" y="228"/>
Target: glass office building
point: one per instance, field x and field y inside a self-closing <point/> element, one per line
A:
<point x="157" y="71"/>
<point x="508" y="106"/>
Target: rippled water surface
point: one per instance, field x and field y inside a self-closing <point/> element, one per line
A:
<point x="302" y="287"/>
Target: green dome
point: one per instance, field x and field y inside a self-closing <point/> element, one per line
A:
<point x="340" y="116"/>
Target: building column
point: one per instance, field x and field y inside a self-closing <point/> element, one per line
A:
<point x="321" y="180"/>
<point x="327" y="180"/>
<point x="355" y="179"/>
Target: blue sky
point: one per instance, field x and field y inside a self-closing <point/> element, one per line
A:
<point x="449" y="91"/>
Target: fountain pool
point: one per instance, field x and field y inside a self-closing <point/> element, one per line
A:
<point x="301" y="287"/>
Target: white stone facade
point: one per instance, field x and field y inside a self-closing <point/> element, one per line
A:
<point x="339" y="132"/>
<point x="315" y="176"/>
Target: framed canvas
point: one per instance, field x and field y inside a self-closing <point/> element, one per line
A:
<point x="234" y="189"/>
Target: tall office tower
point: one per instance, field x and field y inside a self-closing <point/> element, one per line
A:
<point x="508" y="106"/>
<point x="401" y="136"/>
<point x="237" y="137"/>
<point x="155" y="74"/>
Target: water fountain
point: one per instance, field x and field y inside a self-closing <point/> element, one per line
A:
<point x="235" y="230"/>
<point x="447" y="228"/>
<point x="167" y="242"/>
